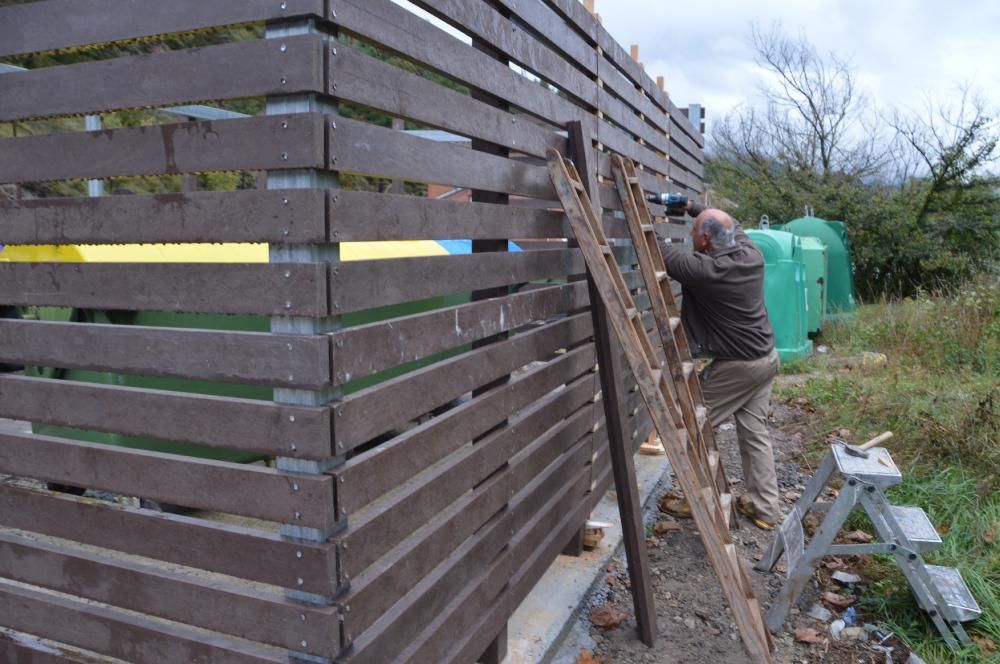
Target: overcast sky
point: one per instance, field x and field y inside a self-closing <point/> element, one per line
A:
<point x="901" y="49"/>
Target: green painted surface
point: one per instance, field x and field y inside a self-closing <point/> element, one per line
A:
<point x="814" y="254"/>
<point x="785" y="291"/>
<point x="840" y="295"/>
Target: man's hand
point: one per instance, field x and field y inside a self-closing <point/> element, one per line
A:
<point x="676" y="204"/>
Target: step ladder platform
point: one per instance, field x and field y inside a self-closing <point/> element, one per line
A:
<point x="917" y="527"/>
<point x="955" y="592"/>
<point x="878" y="468"/>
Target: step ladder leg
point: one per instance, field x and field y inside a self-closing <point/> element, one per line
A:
<point x="801" y="568"/>
<point x="814" y="488"/>
<point x="912" y="564"/>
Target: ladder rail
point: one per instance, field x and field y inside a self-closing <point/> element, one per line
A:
<point x="700" y="490"/>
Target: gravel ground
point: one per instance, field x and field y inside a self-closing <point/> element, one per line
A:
<point x="695" y="624"/>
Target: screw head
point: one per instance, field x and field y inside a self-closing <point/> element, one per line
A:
<point x="283" y="48"/>
<point x="284" y="201"/>
<point x="298" y="516"/>
<point x="284" y="6"/>
<point x="298" y="554"/>
<point x="284" y="81"/>
<point x="291" y="418"/>
<point x="299" y="581"/>
<point x="284" y="156"/>
<point x="284" y="123"/>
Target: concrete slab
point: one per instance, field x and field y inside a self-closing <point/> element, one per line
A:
<point x="549" y="613"/>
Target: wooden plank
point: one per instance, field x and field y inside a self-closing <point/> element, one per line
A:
<point x="614" y="52"/>
<point x="364" y="215"/>
<point x="365" y="349"/>
<point x="608" y="359"/>
<point x="20" y="648"/>
<point x="357" y="285"/>
<point x="401" y="31"/>
<point x="242" y="424"/>
<point x="118" y="634"/>
<point x="56" y="24"/>
<point x="481" y="20"/>
<point x="365" y="80"/>
<point x="256" y="288"/>
<point x="555" y="33"/>
<point x="229" y="71"/>
<point x="397" y="636"/>
<point x="367" y="413"/>
<point x="222" y="606"/>
<point x="364" y="478"/>
<point x="681" y="119"/>
<point x="214" y="546"/>
<point x="622" y="103"/>
<point x="230" y="357"/>
<point x="380" y="526"/>
<point x="276" y="141"/>
<point x="281" y="216"/>
<point x="248" y="490"/>
<point x="359" y="147"/>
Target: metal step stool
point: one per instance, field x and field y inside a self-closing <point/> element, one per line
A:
<point x="906" y="533"/>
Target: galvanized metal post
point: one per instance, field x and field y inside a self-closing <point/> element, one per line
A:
<point x="324" y="253"/>
<point x="95" y="188"/>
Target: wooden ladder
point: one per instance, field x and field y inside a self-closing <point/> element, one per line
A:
<point x="686" y="386"/>
<point x="697" y="483"/>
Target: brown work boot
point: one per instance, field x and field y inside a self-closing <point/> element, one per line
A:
<point x="745" y="507"/>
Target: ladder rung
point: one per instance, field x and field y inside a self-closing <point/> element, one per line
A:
<point x="657" y="375"/>
<point x="675" y="322"/>
<point x="661" y="276"/>
<point x="632" y="313"/>
<point x="646" y="228"/>
<point x="700" y="415"/>
<point x="606" y="250"/>
<point x="713" y="461"/>
<point x="726" y="499"/>
<point x="577" y="185"/>
<point x="632" y="179"/>
<point x="688" y="369"/>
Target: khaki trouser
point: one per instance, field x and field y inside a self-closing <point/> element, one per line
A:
<point x="742" y="388"/>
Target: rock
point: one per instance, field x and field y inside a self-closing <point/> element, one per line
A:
<point x="792" y="496"/>
<point x="808" y="635"/>
<point x="836" y="629"/>
<point x="690" y="623"/>
<point x="820" y="613"/>
<point x="838" y="601"/>
<point x="844" y="577"/>
<point x="852" y="633"/>
<point x="728" y="426"/>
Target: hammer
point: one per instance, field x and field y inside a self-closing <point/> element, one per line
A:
<point x="861" y="451"/>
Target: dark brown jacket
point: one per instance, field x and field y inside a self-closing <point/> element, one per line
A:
<point x="723" y="299"/>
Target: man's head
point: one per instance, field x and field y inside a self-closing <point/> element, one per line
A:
<point x="713" y="230"/>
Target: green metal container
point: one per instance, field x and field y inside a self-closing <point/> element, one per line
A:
<point x="785" y="291"/>
<point x="814" y="254"/>
<point x="840" y="294"/>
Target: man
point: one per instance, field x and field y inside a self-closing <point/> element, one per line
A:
<point x="725" y="319"/>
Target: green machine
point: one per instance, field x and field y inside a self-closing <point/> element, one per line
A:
<point x="814" y="254"/>
<point x="840" y="296"/>
<point x="785" y="291"/>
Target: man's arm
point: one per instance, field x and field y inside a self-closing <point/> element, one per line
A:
<point x="682" y="264"/>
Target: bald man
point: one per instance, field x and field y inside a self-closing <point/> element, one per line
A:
<point x="725" y="319"/>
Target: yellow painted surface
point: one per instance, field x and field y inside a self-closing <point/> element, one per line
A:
<point x="203" y="253"/>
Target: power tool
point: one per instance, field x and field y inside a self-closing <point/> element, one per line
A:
<point x="675" y="203"/>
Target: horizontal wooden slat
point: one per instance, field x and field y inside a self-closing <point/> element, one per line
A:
<point x="231" y="357"/>
<point x="278" y="141"/>
<point x="214" y="546"/>
<point x="373" y="531"/>
<point x="614" y="52"/>
<point x="552" y="468"/>
<point x="281" y="216"/>
<point x="221" y="606"/>
<point x="21" y="648"/>
<point x="248" y="490"/>
<point x="230" y="71"/>
<point x="124" y="635"/>
<point x="402" y="31"/>
<point x="367" y="476"/>
<point x="55" y="24"/>
<point x="364" y="284"/>
<point x="556" y="32"/>
<point x="366" y="349"/>
<point x="364" y="215"/>
<point x="365" y="80"/>
<point x="280" y="289"/>
<point x="243" y="424"/>
<point x="680" y="118"/>
<point x="368" y="149"/>
<point x="481" y="20"/>
<point x="369" y="412"/>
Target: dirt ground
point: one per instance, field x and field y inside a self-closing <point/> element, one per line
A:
<point x="695" y="624"/>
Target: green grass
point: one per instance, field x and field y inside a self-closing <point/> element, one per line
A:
<point x="939" y="393"/>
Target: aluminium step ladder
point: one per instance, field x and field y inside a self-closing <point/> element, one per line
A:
<point x="687" y="387"/>
<point x="655" y="385"/>
<point x="906" y="533"/>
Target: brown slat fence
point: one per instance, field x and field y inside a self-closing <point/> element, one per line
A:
<point x="423" y="466"/>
